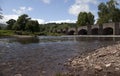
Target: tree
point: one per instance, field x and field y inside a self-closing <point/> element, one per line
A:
<point x="10" y="23"/>
<point x="32" y="26"/>
<point x="103" y="13"/>
<point x="108" y="12"/>
<point x="116" y="15"/>
<point x="21" y="22"/>
<point x="90" y="18"/>
<point x="85" y="18"/>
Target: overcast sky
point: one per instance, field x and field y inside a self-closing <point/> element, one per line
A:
<point x="48" y="10"/>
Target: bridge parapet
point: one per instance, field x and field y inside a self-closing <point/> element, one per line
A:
<point x="82" y="27"/>
<point x="95" y="26"/>
<point x="106" y="25"/>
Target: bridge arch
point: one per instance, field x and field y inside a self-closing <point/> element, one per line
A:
<point x="71" y="32"/>
<point x="82" y="32"/>
<point x="108" y="31"/>
<point x="95" y="31"/>
<point x="64" y="32"/>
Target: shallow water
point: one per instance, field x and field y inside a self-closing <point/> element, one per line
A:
<point x="45" y="55"/>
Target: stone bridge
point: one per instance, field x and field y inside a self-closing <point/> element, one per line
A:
<point x="105" y="29"/>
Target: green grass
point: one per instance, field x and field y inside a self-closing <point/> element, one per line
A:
<point x="12" y="32"/>
<point x="6" y="32"/>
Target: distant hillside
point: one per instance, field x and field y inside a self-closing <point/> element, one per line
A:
<point x="1" y="24"/>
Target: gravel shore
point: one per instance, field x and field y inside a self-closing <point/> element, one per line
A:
<point x="104" y="61"/>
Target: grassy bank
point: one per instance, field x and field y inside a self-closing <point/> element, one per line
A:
<point x="12" y="33"/>
<point x="6" y="33"/>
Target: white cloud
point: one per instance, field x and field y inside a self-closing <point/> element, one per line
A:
<point x="41" y="21"/>
<point x="22" y="10"/>
<point x="49" y="1"/>
<point x="8" y="17"/>
<point x="62" y="21"/>
<point x="81" y="6"/>
<point x="30" y="9"/>
<point x="46" y="1"/>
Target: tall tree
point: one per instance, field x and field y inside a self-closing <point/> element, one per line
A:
<point x="85" y="18"/>
<point x="116" y="15"/>
<point x="10" y="23"/>
<point x="21" y="22"/>
<point x="108" y="12"/>
<point x="103" y="13"/>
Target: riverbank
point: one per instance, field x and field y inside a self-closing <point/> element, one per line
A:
<point x="20" y="34"/>
<point x="104" y="61"/>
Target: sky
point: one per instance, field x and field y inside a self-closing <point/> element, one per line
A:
<point x="48" y="11"/>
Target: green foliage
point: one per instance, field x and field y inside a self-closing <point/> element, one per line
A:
<point x="32" y="26"/>
<point x="116" y="15"/>
<point x="21" y="22"/>
<point x="10" y="23"/>
<point x="85" y="18"/>
<point x="90" y="18"/>
<point x="52" y="28"/>
<point x="6" y="32"/>
<point x="108" y="12"/>
<point x="24" y="23"/>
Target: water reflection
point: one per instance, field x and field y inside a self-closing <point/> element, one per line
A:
<point x="24" y="40"/>
<point x="98" y="38"/>
<point x="27" y="40"/>
<point x="44" y="39"/>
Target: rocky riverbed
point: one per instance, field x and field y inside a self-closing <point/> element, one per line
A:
<point x="104" y="61"/>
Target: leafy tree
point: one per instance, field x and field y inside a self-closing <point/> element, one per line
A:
<point x="103" y="13"/>
<point x="90" y="18"/>
<point x="21" y="22"/>
<point x="108" y="12"/>
<point x="114" y="12"/>
<point x="85" y="18"/>
<point x="10" y="23"/>
<point x="32" y="26"/>
<point x="116" y="15"/>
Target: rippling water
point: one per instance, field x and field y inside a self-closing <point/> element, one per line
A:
<point x="45" y="55"/>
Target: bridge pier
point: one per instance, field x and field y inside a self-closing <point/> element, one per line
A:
<point x="116" y="28"/>
<point x="89" y="28"/>
<point x="100" y="30"/>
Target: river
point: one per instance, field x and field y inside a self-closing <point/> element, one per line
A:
<point x="44" y="55"/>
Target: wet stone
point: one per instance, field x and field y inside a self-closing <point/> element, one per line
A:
<point x="18" y="75"/>
<point x="98" y="68"/>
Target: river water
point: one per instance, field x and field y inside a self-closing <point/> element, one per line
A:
<point x="44" y="55"/>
